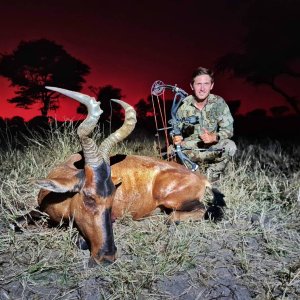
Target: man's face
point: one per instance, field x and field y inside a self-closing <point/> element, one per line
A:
<point x="202" y="86"/>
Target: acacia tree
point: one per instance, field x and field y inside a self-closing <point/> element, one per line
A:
<point x="35" y="64"/>
<point x="270" y="48"/>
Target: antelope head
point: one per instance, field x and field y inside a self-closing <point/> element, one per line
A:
<point x="86" y="195"/>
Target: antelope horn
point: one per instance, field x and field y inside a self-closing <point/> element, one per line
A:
<point x="121" y="133"/>
<point x="87" y="126"/>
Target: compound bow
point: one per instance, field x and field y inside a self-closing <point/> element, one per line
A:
<point x="157" y="89"/>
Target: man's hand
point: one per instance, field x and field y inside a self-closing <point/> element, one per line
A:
<point x="177" y="139"/>
<point x="208" y="137"/>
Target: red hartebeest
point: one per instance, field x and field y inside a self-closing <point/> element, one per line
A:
<point x="83" y="188"/>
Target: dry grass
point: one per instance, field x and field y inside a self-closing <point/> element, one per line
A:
<point x="252" y="254"/>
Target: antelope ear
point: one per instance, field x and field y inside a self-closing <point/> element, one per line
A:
<point x="60" y="185"/>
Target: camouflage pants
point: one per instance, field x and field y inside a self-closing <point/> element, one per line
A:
<point x="211" y="162"/>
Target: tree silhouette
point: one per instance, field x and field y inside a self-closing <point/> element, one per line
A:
<point x="151" y="114"/>
<point x="270" y="47"/>
<point x="35" y="64"/>
<point x="257" y="113"/>
<point x="17" y="121"/>
<point x="234" y="106"/>
<point x="279" y="111"/>
<point x="2" y="123"/>
<point x="144" y="110"/>
<point x="112" y="112"/>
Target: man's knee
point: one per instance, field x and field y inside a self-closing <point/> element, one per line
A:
<point x="229" y="147"/>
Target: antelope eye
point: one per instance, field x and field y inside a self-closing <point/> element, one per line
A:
<point x="89" y="201"/>
<point x="88" y="195"/>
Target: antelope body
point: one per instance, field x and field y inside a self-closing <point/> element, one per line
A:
<point x="93" y="189"/>
<point x="148" y="183"/>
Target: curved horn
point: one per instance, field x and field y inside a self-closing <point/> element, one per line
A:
<point x="88" y="124"/>
<point x="121" y="133"/>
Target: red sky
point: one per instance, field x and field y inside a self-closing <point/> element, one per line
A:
<point x="130" y="44"/>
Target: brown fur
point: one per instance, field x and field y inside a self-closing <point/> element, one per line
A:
<point x="148" y="183"/>
<point x="144" y="183"/>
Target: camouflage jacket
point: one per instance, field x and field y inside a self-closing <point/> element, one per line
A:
<point x="215" y="117"/>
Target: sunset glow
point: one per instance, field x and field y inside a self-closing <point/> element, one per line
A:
<point x="130" y="47"/>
